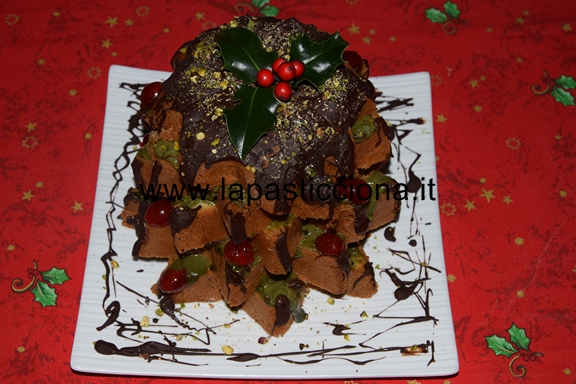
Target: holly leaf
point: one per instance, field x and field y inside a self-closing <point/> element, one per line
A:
<point x="566" y="82"/>
<point x="518" y="337"/>
<point x="55" y="276"/>
<point x="243" y="53"/>
<point x="44" y="294"/>
<point x="436" y="16"/>
<point x="562" y="96"/>
<point x="500" y="346"/>
<point x="451" y="10"/>
<point x="260" y="3"/>
<point x="252" y="118"/>
<point x="269" y="11"/>
<point x="320" y="57"/>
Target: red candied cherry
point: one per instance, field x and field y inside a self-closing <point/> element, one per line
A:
<point x="351" y="186"/>
<point x="283" y="91"/>
<point x="241" y="254"/>
<point x="277" y="63"/>
<point x="329" y="244"/>
<point x="145" y="140"/>
<point x="353" y="59"/>
<point x="265" y="78"/>
<point x="298" y="67"/>
<point x="158" y="213"/>
<point x="172" y="280"/>
<point x="149" y="94"/>
<point x="286" y="71"/>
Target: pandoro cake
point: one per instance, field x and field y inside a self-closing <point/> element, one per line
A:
<point x="259" y="177"/>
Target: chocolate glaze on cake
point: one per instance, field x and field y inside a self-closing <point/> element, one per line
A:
<point x="311" y="130"/>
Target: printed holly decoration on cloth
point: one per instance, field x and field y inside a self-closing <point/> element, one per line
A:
<point x="41" y="284"/>
<point x="449" y="18"/>
<point x="268" y="80"/>
<point x="519" y="348"/>
<point x="557" y="87"/>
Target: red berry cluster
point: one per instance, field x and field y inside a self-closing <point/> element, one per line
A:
<point x="286" y="71"/>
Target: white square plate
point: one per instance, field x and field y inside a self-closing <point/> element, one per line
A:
<point x="351" y="338"/>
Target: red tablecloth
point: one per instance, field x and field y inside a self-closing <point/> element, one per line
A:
<point x="503" y="100"/>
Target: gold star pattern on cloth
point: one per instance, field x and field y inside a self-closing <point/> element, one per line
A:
<point x="507" y="200"/>
<point x="473" y="83"/>
<point x="366" y="39"/>
<point x="112" y="21"/>
<point x="448" y="209"/>
<point x="10" y="247"/>
<point x="519" y="20"/>
<point x="354" y="29"/>
<point x="29" y="142"/>
<point x="106" y="43"/>
<point x="77" y="207"/>
<point x="520" y="294"/>
<point x="28" y="195"/>
<point x="513" y="143"/>
<point x="451" y="278"/>
<point x="470" y="205"/>
<point x="12" y="19"/>
<point x="566" y="27"/>
<point x="489" y="195"/>
<point x="39" y="184"/>
<point x="94" y="72"/>
<point x="440" y="118"/>
<point x="129" y="22"/>
<point x="477" y="108"/>
<point x="21" y="349"/>
<point x="519" y="241"/>
<point x="142" y="10"/>
<point x="563" y="193"/>
<point x="31" y="127"/>
<point x="567" y="372"/>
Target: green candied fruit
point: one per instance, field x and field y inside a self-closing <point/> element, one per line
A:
<point x="167" y="150"/>
<point x="363" y="128"/>
<point x="357" y="258"/>
<point x="194" y="265"/>
<point x="381" y="185"/>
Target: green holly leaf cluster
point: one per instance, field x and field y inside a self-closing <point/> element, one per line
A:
<point x="320" y="57"/>
<point x="43" y="292"/>
<point x="559" y="91"/>
<point x="451" y="11"/>
<point x="501" y="346"/>
<point x="244" y="55"/>
<point x="250" y="119"/>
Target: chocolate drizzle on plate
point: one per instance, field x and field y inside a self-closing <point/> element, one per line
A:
<point x="159" y="340"/>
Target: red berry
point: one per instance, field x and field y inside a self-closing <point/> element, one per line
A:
<point x="172" y="280"/>
<point x="352" y="186"/>
<point x="298" y="67"/>
<point x="241" y="254"/>
<point x="353" y="59"/>
<point x="286" y="71"/>
<point x="277" y="63"/>
<point x="158" y="213"/>
<point x="149" y="94"/>
<point x="329" y="244"/>
<point x="145" y="140"/>
<point x="265" y="78"/>
<point x="283" y="91"/>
